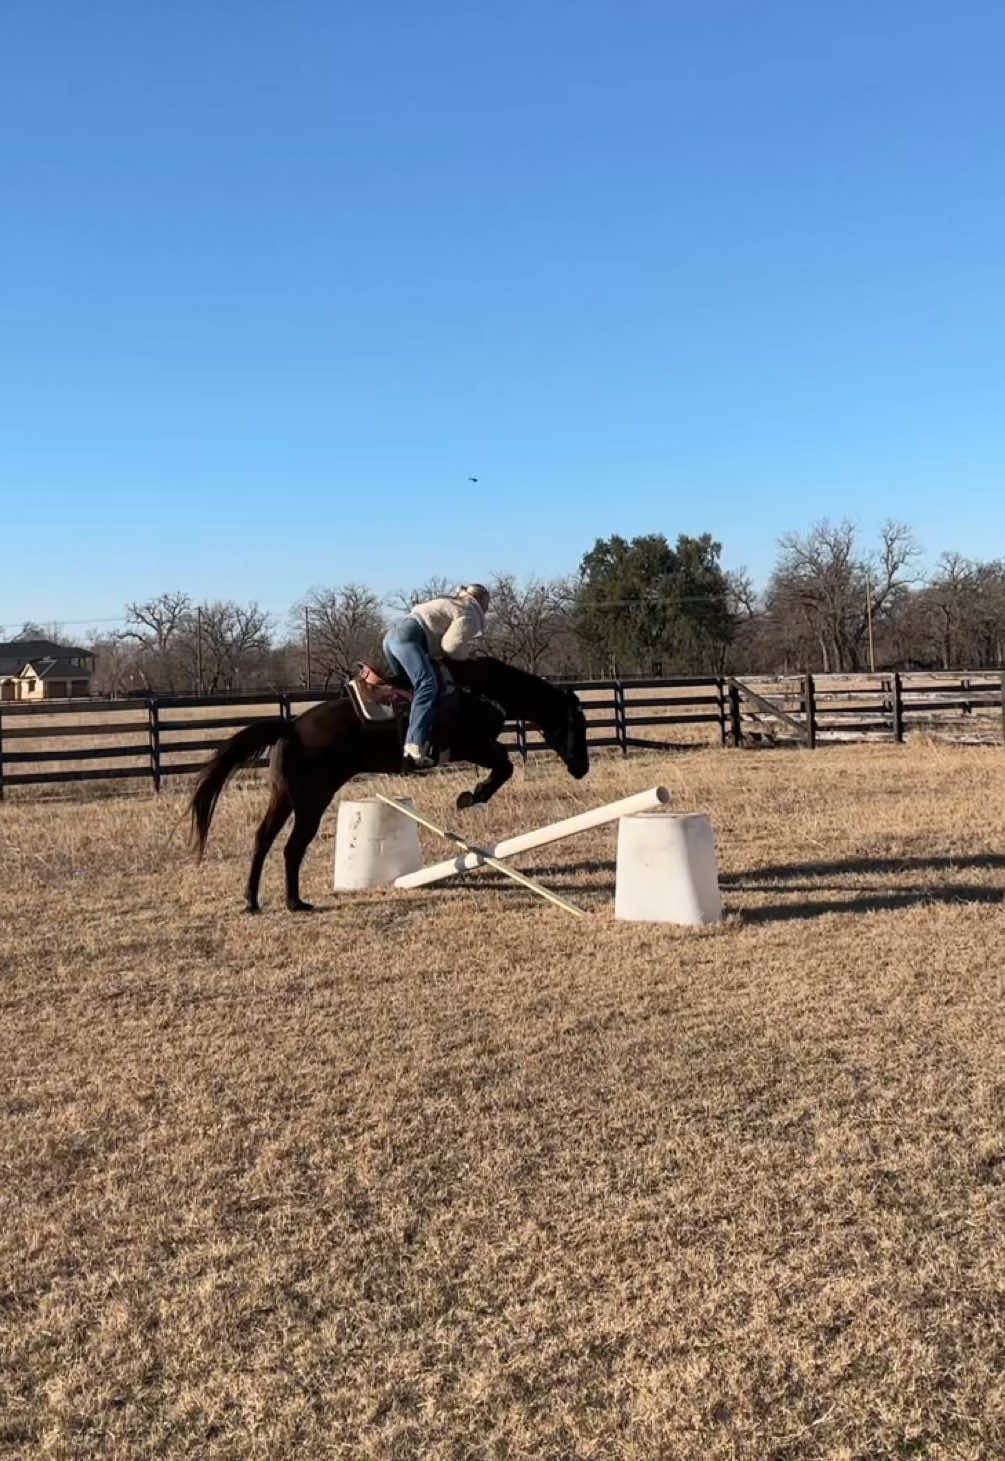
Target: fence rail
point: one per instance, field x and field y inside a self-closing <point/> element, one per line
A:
<point x="152" y="738"/>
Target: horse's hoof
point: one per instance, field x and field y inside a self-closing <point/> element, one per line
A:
<point x="300" y="906"/>
<point x="465" y="800"/>
<point x="252" y="908"/>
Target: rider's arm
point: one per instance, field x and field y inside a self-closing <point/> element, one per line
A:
<point x="463" y="634"/>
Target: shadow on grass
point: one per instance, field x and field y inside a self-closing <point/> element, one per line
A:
<point x="870" y="900"/>
<point x="989" y="860"/>
<point x="785" y="880"/>
<point x="864" y="900"/>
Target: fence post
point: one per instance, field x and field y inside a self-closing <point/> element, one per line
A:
<point x="810" y="701"/>
<point x="620" y="717"/>
<point x="155" y="743"/>
<point x="521" y="739"/>
<point x="720" y="692"/>
<point x="898" y="706"/>
<point x="1" y="752"/>
<point x="285" y="709"/>
<point x="1003" y="707"/>
<point x="735" y="719"/>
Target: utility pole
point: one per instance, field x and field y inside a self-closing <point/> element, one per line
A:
<point x="198" y="647"/>
<point x="307" y="643"/>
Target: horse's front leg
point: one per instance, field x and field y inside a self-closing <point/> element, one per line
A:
<point x="500" y="770"/>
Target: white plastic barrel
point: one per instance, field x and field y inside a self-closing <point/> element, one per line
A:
<point x="374" y="844"/>
<point x="666" y="870"/>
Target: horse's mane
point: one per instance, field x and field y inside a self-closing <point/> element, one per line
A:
<point x="517" y="691"/>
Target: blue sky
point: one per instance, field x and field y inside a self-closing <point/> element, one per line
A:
<point x="277" y="278"/>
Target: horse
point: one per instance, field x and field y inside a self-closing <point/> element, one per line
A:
<point x="316" y="753"/>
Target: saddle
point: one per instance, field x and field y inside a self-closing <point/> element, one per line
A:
<point x="374" y="699"/>
<point x="377" y="702"/>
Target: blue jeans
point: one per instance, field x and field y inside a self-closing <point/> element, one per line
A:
<point x="408" y="655"/>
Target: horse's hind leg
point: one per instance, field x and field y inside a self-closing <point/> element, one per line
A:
<point x="278" y="810"/>
<point x="308" y="809"/>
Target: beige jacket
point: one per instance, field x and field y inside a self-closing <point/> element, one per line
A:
<point x="453" y="626"/>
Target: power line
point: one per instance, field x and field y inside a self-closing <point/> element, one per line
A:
<point x="646" y="602"/>
<point x="288" y="615"/>
<point x="91" y="619"/>
<point x="95" y="620"/>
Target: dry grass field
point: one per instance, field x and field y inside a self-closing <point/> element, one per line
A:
<point x="453" y="1175"/>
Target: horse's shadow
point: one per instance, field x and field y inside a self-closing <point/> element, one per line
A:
<point x="785" y="879"/>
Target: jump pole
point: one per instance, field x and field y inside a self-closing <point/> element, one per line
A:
<point x="482" y="857"/>
<point x="642" y="801"/>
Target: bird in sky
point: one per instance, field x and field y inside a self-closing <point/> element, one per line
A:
<point x="472" y="479"/>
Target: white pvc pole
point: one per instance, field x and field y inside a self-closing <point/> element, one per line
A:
<point x="483" y="855"/>
<point x="642" y="801"/>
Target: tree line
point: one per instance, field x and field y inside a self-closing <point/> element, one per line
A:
<point x="639" y="606"/>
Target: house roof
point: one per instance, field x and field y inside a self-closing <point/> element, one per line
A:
<point x="35" y="648"/>
<point x="57" y="669"/>
<point x="16" y="653"/>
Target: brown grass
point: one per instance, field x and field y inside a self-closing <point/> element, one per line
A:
<point x="452" y="1175"/>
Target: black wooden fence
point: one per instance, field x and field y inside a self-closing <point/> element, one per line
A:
<point x="160" y="736"/>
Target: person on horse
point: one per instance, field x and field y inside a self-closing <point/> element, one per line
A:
<point x="453" y="625"/>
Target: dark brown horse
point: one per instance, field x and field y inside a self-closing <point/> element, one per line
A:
<point x="320" y="750"/>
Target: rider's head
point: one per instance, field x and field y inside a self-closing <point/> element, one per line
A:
<point x="476" y="591"/>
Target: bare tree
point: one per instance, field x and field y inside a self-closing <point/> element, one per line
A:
<point x="405" y="599"/>
<point x="755" y="644"/>
<point x="52" y="631"/>
<point x="226" y="644"/>
<point x="346" y="626"/>
<point x="960" y="615"/>
<point x="155" y="623"/>
<point x="948" y="601"/>
<point x="210" y="647"/>
<point x="823" y="586"/>
<point x="157" y="628"/>
<point x="741" y="594"/>
<point x="527" y="623"/>
<point x="115" y="664"/>
<point x="989" y="649"/>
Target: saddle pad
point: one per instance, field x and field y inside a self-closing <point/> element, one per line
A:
<point x="367" y="709"/>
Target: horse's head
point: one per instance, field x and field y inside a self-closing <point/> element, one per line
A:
<point x="566" y="734"/>
<point x="520" y="695"/>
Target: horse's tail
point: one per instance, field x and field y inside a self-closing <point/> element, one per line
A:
<point x="242" y="747"/>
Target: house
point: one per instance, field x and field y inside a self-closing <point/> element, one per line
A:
<point x="39" y="669"/>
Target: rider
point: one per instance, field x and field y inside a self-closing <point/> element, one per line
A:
<point x="452" y="625"/>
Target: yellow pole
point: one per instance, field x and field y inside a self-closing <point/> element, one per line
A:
<point x="487" y="858"/>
